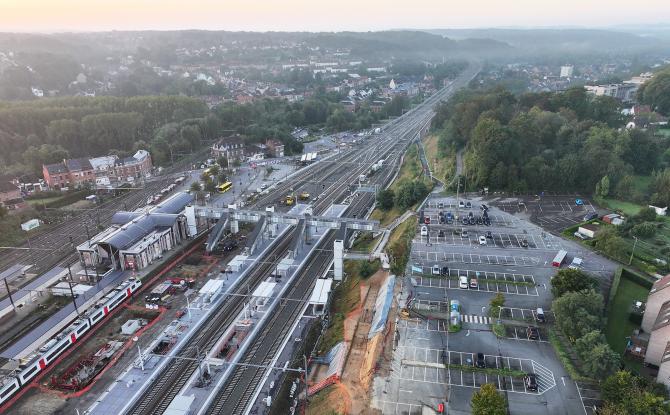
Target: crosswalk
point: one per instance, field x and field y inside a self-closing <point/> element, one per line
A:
<point x="469" y="318"/>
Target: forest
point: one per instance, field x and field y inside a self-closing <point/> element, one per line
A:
<point x="45" y="131"/>
<point x="562" y="142"/>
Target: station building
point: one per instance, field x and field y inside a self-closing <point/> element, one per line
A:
<point x="136" y="239"/>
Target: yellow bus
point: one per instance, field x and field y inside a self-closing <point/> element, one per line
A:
<point x="222" y="188"/>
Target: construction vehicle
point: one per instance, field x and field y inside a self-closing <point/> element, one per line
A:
<point x="303" y="196"/>
<point x="290" y="200"/>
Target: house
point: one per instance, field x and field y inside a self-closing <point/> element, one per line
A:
<point x="275" y="148"/>
<point x="70" y="172"/>
<point x="659" y="294"/>
<point x="659" y="337"/>
<point x="10" y="196"/>
<point x="134" y="167"/>
<point x="664" y="368"/>
<point x="231" y="148"/>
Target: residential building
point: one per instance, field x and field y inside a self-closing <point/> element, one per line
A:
<point x="275" y="148"/>
<point x="10" y="196"/>
<point x="659" y="337"/>
<point x="567" y="71"/>
<point x="659" y="294"/>
<point x="70" y="172"/>
<point x="77" y="172"/>
<point x="624" y="92"/>
<point x="231" y="148"/>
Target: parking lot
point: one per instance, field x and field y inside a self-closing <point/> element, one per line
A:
<point x="432" y="365"/>
<point x="420" y="254"/>
<point x="453" y="236"/>
<point x="487" y="281"/>
<point x="450" y="367"/>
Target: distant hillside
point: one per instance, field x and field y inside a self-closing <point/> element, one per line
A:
<point x="551" y="41"/>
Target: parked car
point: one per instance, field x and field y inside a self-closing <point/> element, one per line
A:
<point x="539" y="315"/>
<point x="489" y="235"/>
<point x="465" y="220"/>
<point x="445" y="270"/>
<point x="487" y="222"/>
<point x="580" y="236"/>
<point x="468" y="205"/>
<point x="463" y="282"/>
<point x="440" y="205"/>
<point x="450" y="221"/>
<point x="436" y="270"/>
<point x="464" y="233"/>
<point x="440" y="233"/>
<point x="473" y="221"/>
<point x="424" y="231"/>
<point x="426" y="220"/>
<point x="524" y="243"/>
<point x="461" y="204"/>
<point x="530" y="380"/>
<point x="532" y="333"/>
<point x="590" y="215"/>
<point x="479" y="220"/>
<point x="474" y="284"/>
<point x="482" y="240"/>
<point x="480" y="361"/>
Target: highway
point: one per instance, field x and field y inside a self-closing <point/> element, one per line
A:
<point x="336" y="175"/>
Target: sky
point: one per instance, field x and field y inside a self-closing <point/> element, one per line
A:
<point x="321" y="15"/>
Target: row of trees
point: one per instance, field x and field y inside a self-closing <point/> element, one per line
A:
<point x="579" y="311"/>
<point x="557" y="141"/>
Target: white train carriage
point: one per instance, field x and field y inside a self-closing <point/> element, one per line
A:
<point x="10" y="385"/>
<point x="50" y="351"/>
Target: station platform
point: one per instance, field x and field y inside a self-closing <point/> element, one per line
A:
<point x="129" y="386"/>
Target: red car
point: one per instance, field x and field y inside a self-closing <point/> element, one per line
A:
<point x="426" y="220"/>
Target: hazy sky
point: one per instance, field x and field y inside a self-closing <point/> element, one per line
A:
<point x="316" y="15"/>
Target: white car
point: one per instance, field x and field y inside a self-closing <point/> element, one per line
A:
<point x="424" y="231"/>
<point x="463" y="282"/>
<point x="482" y="240"/>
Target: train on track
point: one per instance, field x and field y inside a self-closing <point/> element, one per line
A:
<point x="55" y="347"/>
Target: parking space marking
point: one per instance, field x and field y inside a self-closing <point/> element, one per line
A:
<point x="446" y="375"/>
<point x="488" y="281"/>
<point x="590" y="398"/>
<point x="400" y="408"/>
<point x="463" y="258"/>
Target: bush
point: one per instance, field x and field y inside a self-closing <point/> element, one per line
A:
<point x="645" y="215"/>
<point x="385" y="199"/>
<point x="570" y="280"/>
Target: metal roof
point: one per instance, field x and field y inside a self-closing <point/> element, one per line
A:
<point x="133" y="231"/>
<point x="174" y="204"/>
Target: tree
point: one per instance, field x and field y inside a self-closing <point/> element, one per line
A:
<point x="366" y="269"/>
<point x="608" y="241"/>
<point x="569" y="280"/>
<point x="585" y="344"/>
<point x="646" y="214"/>
<point x="624" y="393"/>
<point x="603" y="187"/>
<point x="600" y="361"/>
<point x="210" y="186"/>
<point x="578" y="313"/>
<point x="223" y="162"/>
<point x="385" y="199"/>
<point x="487" y="401"/>
<point x="644" y="230"/>
<point x="196" y="187"/>
<point x="656" y="92"/>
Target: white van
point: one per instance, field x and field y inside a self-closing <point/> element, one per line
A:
<point x="424" y="230"/>
<point x="436" y="269"/>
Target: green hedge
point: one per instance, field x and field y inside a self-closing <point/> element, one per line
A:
<point x="615" y="284"/>
<point x="637" y="278"/>
<point x="68" y="199"/>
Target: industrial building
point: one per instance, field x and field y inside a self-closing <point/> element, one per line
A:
<point x="136" y="239"/>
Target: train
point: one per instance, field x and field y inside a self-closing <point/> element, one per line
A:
<point x="57" y="345"/>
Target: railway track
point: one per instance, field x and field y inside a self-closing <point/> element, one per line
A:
<point x="240" y="387"/>
<point x="397" y="136"/>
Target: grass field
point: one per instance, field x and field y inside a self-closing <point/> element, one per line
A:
<point x="618" y="325"/>
<point x="628" y="208"/>
<point x="442" y="167"/>
<point x="345" y="299"/>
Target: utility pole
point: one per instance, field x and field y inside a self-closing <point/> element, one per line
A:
<point x="9" y="293"/>
<point x="633" y="252"/>
<point x="69" y="281"/>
